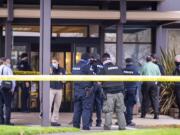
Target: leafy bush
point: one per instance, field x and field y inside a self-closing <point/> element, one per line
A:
<point x="167" y="98"/>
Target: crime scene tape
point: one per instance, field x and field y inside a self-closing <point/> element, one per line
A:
<point x="95" y="78"/>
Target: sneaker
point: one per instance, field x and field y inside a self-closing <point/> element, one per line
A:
<point x="122" y="128"/>
<point x="142" y="116"/>
<point x="132" y="124"/>
<point x="70" y="123"/>
<point x="107" y="128"/>
<point x="156" y="117"/>
<point x="116" y="123"/>
<point x="98" y="125"/>
<point x="9" y="124"/>
<point x="40" y="115"/>
<point x="55" y="124"/>
<point x="86" y="128"/>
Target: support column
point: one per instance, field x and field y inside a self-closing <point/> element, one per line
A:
<point x="9" y="31"/>
<point x="102" y="35"/>
<point x="161" y="40"/>
<point x="119" y="46"/>
<point x="120" y="29"/>
<point x="45" y="42"/>
<point x="153" y="39"/>
<point x="1" y="42"/>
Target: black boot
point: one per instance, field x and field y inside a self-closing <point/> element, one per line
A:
<point x="156" y="116"/>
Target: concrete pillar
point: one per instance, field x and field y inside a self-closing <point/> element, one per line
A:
<point x="102" y="35"/>
<point x="161" y="40"/>
<point x="9" y="31"/>
<point x="1" y="42"/>
<point x="120" y="29"/>
<point x="119" y="45"/>
<point x="45" y="43"/>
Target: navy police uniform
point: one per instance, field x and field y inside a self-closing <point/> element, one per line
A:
<point x="177" y="86"/>
<point x="130" y="92"/>
<point x="83" y="94"/>
<point x="98" y="98"/>
<point x="115" y="98"/>
<point x="25" y="66"/>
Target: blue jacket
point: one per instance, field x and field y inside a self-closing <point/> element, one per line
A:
<point x="97" y="67"/>
<point x="82" y="68"/>
<point x="131" y="70"/>
<point x="57" y="85"/>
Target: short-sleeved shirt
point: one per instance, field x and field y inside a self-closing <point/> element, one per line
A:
<point x="57" y="85"/>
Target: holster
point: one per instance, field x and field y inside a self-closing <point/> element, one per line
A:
<point x="103" y="94"/>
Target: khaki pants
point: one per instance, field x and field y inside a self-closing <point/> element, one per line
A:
<point x="56" y="96"/>
<point x="114" y="102"/>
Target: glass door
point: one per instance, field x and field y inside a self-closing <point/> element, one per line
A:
<point x="79" y="50"/>
<point x="65" y="61"/>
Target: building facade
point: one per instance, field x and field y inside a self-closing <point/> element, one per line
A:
<point x="66" y="29"/>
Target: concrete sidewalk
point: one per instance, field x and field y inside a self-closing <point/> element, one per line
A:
<point x="66" y="118"/>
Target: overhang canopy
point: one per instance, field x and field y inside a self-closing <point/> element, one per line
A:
<point x="96" y="14"/>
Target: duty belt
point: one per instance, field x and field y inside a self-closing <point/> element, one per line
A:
<point x="115" y="92"/>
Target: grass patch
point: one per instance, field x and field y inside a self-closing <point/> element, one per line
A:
<point x="27" y="130"/>
<point x="162" y="131"/>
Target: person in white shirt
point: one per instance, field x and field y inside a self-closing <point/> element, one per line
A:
<point x="6" y="94"/>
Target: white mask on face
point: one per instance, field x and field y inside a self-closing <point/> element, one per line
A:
<point x="9" y="65"/>
<point x="55" y="65"/>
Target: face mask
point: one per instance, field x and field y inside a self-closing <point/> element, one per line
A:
<point x="55" y="65"/>
<point x="24" y="59"/>
<point x="9" y="65"/>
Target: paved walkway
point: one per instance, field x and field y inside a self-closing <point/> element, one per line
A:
<point x="65" y="119"/>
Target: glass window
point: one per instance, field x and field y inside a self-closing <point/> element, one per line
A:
<point x="174" y="39"/>
<point x="137" y="35"/>
<point x="137" y="43"/>
<point x="137" y="51"/>
<point x="111" y="49"/>
<point x="94" y="31"/>
<point x="110" y="37"/>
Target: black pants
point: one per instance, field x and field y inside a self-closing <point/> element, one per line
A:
<point x="82" y="108"/>
<point x="5" y="101"/>
<point x="130" y="101"/>
<point x="25" y="99"/>
<point x="150" y="96"/>
<point x="97" y="103"/>
<point x="177" y="94"/>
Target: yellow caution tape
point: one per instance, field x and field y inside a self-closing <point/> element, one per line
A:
<point x="96" y="78"/>
<point x="16" y="72"/>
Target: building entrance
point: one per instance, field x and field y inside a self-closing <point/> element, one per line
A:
<point x="67" y="54"/>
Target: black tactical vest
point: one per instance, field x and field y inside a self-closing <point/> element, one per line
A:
<point x="112" y="87"/>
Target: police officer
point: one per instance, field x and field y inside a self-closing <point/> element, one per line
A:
<point x="83" y="94"/>
<point x="177" y="84"/>
<point x="130" y="91"/>
<point x="23" y="65"/>
<point x="114" y="95"/>
<point x="97" y="67"/>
